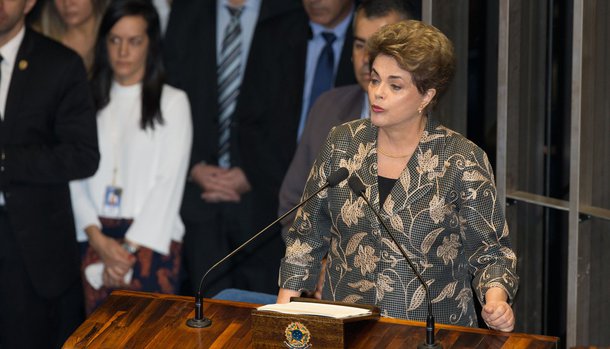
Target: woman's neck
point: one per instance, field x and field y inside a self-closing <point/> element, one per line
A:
<point x="85" y="30"/>
<point x="395" y="147"/>
<point x="81" y="39"/>
<point x="399" y="140"/>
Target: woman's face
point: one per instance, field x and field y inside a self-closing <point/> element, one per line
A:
<point x="74" y="12"/>
<point x="394" y="98"/>
<point x="127" y="44"/>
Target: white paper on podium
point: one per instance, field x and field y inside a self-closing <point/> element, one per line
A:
<point x="319" y="309"/>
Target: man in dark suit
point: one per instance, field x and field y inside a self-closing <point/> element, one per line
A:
<point x="295" y="61"/>
<point x="223" y="207"/>
<point x="47" y="138"/>
<point x="341" y="104"/>
<point x="287" y="68"/>
<point x="224" y="204"/>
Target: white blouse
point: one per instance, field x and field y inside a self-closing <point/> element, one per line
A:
<point x="151" y="167"/>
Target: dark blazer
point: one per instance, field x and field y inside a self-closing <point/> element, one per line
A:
<point x="332" y="108"/>
<point x="48" y="137"/>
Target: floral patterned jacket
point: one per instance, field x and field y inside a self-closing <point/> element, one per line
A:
<point x="443" y="210"/>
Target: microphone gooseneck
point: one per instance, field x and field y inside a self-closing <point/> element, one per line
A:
<point x="200" y="320"/>
<point x="358" y="187"/>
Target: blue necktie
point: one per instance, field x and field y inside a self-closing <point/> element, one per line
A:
<point x="228" y="84"/>
<point x="324" y="75"/>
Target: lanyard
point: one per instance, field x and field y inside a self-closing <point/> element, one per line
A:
<point x="119" y="122"/>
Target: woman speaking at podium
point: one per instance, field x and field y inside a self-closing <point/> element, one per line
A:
<point x="433" y="188"/>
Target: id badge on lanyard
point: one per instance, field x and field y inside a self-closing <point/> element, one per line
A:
<point x="112" y="202"/>
<point x="113" y="195"/>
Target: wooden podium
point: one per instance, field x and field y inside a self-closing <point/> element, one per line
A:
<point x="146" y="320"/>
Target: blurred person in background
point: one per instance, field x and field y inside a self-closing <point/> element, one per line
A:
<point x="74" y="23"/>
<point x="127" y="214"/>
<point x="47" y="138"/>
<point x="213" y="50"/>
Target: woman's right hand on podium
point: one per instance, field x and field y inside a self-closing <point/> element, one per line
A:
<point x="285" y="294"/>
<point x="497" y="313"/>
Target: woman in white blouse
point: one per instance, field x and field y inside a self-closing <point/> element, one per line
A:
<point x="127" y="214"/>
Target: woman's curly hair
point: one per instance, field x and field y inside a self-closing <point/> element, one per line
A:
<point x="419" y="48"/>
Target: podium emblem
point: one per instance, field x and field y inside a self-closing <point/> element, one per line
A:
<point x="297" y="336"/>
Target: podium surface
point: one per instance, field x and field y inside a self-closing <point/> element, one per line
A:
<point x="147" y="320"/>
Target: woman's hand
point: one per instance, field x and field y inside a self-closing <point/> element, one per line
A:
<point x="112" y="281"/>
<point x="497" y="313"/>
<point x="284" y="295"/>
<point x="117" y="261"/>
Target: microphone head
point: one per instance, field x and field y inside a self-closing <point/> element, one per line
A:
<point x="337" y="177"/>
<point x="356" y="185"/>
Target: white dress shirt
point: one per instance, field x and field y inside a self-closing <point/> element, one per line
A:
<point x="163" y="9"/>
<point x="150" y="165"/>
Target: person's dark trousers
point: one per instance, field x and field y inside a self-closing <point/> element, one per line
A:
<point x="212" y="231"/>
<point x="26" y="319"/>
<point x="209" y="229"/>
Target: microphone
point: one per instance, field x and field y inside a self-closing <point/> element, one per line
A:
<point x="200" y="321"/>
<point x="358" y="187"/>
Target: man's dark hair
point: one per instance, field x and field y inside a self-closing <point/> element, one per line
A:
<point x="406" y="9"/>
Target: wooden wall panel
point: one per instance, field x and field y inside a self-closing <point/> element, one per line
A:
<point x="525" y="153"/>
<point x="451" y="17"/>
<point x="527" y="242"/>
<point x="599" y="289"/>
<point x="593" y="313"/>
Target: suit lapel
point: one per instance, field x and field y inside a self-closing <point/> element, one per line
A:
<point x="345" y="71"/>
<point x="207" y="53"/>
<point x="195" y="68"/>
<point x="19" y="80"/>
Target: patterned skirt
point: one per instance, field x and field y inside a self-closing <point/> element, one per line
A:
<point x="152" y="271"/>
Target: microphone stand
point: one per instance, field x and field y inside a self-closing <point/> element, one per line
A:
<point x="358" y="187"/>
<point x="200" y="320"/>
